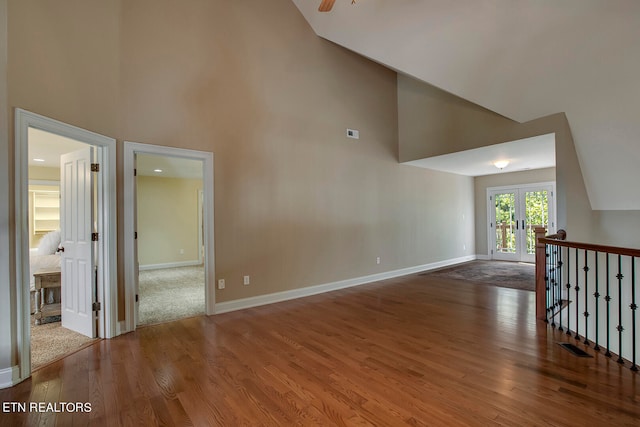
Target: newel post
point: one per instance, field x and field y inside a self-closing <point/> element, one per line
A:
<point x="541" y="281"/>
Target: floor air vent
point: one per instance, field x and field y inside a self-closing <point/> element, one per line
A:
<point x="574" y="350"/>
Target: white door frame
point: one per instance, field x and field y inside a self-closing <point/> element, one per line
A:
<point x="491" y="235"/>
<point x="131" y="149"/>
<point x="106" y="226"/>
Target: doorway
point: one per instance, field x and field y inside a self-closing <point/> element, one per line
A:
<point x="40" y="215"/>
<point x="514" y="213"/>
<point x="135" y="260"/>
<point x="170" y="255"/>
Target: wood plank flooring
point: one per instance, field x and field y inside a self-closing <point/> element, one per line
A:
<point x="415" y="351"/>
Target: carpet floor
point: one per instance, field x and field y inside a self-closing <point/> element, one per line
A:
<point x="50" y="340"/>
<point x="515" y="275"/>
<point x="170" y="293"/>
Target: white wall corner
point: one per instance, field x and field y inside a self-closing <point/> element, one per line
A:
<point x="240" y="304"/>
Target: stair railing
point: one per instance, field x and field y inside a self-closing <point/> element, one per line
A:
<point x="589" y="291"/>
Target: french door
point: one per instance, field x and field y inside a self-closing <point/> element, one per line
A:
<point x="515" y="212"/>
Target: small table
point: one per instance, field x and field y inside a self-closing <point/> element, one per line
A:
<point x="43" y="280"/>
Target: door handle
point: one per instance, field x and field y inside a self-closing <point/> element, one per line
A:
<point x="60" y="249"/>
<point x="523" y="224"/>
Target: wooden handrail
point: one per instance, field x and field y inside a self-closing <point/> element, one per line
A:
<point x="559" y="239"/>
<point x="552" y="240"/>
<point x="552" y="296"/>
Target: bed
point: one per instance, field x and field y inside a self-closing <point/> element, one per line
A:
<point x="44" y="266"/>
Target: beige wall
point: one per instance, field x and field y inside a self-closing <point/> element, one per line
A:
<point x="8" y="304"/>
<point x="433" y="123"/>
<point x="296" y="202"/>
<point x="42" y="173"/>
<point x="167" y="220"/>
<point x="617" y="228"/>
<point x="481" y="184"/>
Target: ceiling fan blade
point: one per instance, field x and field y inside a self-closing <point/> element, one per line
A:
<point x="326" y="5"/>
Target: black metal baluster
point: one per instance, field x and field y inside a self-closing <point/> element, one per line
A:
<point x="577" y="289"/>
<point x="560" y="288"/>
<point x="552" y="284"/>
<point x="619" y="276"/>
<point x="547" y="281"/>
<point x="633" y="307"/>
<point x="607" y="298"/>
<point x="568" y="285"/>
<point x="597" y="296"/>
<point x="586" y="299"/>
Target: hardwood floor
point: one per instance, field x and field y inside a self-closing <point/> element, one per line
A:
<point x="415" y="350"/>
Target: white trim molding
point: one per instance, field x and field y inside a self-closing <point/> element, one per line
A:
<point x="9" y="377"/>
<point x="241" y="304"/>
<point x="106" y="184"/>
<point x="193" y="263"/>
<point x="131" y="149"/>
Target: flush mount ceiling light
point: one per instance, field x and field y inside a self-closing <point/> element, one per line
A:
<point x="38" y="160"/>
<point x="157" y="170"/>
<point x="501" y="164"/>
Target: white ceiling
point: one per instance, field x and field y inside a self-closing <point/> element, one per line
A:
<point x="48" y="147"/>
<point x="170" y="167"/>
<point x="530" y="153"/>
<point x="524" y="59"/>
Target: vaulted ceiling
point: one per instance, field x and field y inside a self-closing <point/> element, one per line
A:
<point x="523" y="59"/>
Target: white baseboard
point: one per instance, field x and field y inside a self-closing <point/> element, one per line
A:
<point x="121" y="328"/>
<point x="483" y="257"/>
<point x="9" y="377"/>
<point x="240" y="304"/>
<point x="170" y="265"/>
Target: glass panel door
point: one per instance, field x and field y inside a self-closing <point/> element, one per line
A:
<point x="536" y="203"/>
<point x="515" y="214"/>
<point x="505" y="235"/>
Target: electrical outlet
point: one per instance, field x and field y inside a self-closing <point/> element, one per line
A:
<point x="247" y="280"/>
<point x="181" y="251"/>
<point x="378" y="260"/>
<point x="221" y="284"/>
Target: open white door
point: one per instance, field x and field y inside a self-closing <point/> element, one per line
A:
<point x="77" y="266"/>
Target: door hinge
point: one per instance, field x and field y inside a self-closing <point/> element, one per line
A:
<point x="135" y="235"/>
<point x="135" y="172"/>
<point x="96" y="306"/>
<point x="136" y="297"/>
<point x="95" y="167"/>
<point x="491" y="251"/>
<point x="94" y="237"/>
